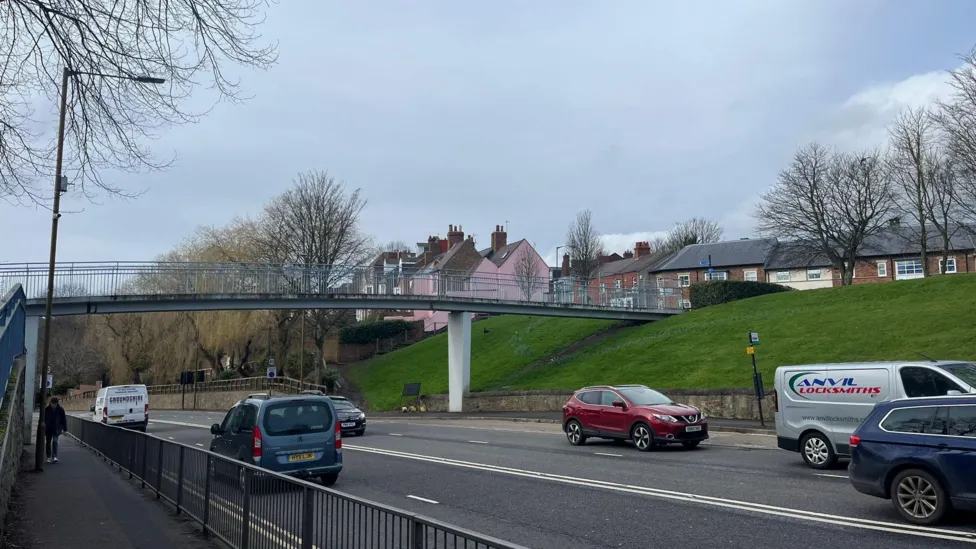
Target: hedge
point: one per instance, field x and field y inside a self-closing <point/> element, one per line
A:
<point x="368" y="332"/>
<point x="716" y="292"/>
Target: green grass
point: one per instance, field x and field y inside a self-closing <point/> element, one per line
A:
<point x="706" y="348"/>
<point x="512" y="343"/>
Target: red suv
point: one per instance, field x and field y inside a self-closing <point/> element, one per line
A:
<point x="632" y="412"/>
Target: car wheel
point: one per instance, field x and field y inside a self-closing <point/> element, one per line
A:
<point x="918" y="497"/>
<point x="691" y="444"/>
<point x="817" y="451"/>
<point x="643" y="437"/>
<point x="574" y="433"/>
<point x="329" y="479"/>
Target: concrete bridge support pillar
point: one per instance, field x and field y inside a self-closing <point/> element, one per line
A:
<point x="30" y="374"/>
<point x="458" y="359"/>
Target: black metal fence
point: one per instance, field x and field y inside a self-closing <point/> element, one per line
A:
<point x="252" y="508"/>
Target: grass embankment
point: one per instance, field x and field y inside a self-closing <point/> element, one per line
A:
<point x="700" y="349"/>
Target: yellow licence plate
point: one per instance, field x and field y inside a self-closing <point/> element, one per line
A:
<point x="300" y="457"/>
<point x="115" y="418"/>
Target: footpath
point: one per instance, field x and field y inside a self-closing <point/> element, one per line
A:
<point x="82" y="502"/>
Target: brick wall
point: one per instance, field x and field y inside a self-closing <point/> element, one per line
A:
<point x="717" y="403"/>
<point x="698" y="275"/>
<point x="866" y="270"/>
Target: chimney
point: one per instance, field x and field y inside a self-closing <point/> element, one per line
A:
<point x="628" y="254"/>
<point x="565" y="269"/>
<point x="499" y="238"/>
<point x="455" y="235"/>
<point x="642" y="249"/>
<point x="442" y="246"/>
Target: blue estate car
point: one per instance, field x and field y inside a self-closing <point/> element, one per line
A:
<point x="921" y="454"/>
<point x="292" y="435"/>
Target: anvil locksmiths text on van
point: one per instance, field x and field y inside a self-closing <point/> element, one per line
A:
<point x="818" y="406"/>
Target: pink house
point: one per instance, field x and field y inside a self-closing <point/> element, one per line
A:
<point x="505" y="271"/>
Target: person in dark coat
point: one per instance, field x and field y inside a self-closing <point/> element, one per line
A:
<point x="55" y="423"/>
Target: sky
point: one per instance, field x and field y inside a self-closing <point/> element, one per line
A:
<point x="484" y="113"/>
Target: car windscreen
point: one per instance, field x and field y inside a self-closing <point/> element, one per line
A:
<point x="965" y="371"/>
<point x="642" y="396"/>
<point x="343" y="405"/>
<point x="297" y="418"/>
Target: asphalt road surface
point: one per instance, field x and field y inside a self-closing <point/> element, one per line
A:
<point x="524" y="483"/>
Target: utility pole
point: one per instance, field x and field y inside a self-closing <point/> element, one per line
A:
<point x="301" y="356"/>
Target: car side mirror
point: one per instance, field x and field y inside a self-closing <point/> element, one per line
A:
<point x="953" y="392"/>
<point x="215" y="429"/>
<point x="619" y="404"/>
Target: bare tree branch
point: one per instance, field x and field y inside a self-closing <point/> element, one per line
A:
<point x="109" y="120"/>
<point x="911" y="149"/>
<point x="696" y="230"/>
<point x="585" y="246"/>
<point x="527" y="275"/>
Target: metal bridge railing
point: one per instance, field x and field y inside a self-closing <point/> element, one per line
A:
<point x="251" y="508"/>
<point x="222" y="279"/>
<point x="13" y="322"/>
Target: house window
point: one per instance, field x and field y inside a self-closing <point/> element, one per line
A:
<point x="603" y="286"/>
<point x="751" y="276"/>
<point x="951" y="266"/>
<point x="660" y="282"/>
<point x="908" y="269"/>
<point x="882" y="270"/>
<point x="618" y="283"/>
<point x="634" y="283"/>
<point x="684" y="280"/>
<point x="813" y="274"/>
<point x="685" y="304"/>
<point x="782" y="276"/>
<point x="717" y="275"/>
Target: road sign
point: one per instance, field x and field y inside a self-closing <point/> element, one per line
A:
<point x="753" y="338"/>
<point x="703" y="262"/>
<point x="750" y="350"/>
<point x="272" y="372"/>
<point x="50" y="381"/>
<point x="271" y="362"/>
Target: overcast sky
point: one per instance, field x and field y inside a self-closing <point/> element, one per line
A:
<point x="480" y="113"/>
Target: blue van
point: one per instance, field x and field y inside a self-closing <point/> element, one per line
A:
<point x="292" y="435"/>
<point x="920" y="453"/>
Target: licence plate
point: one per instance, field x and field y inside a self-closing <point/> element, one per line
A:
<point x="693" y="428"/>
<point x="115" y="418"/>
<point x="300" y="457"/>
<point x="348" y="423"/>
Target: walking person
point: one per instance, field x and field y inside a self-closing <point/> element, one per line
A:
<point x="55" y="423"/>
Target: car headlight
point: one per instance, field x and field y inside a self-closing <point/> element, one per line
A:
<point x="362" y="415"/>
<point x="665" y="418"/>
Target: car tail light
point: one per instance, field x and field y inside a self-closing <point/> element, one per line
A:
<point x="256" y="442"/>
<point x="147" y="411"/>
<point x="855" y="441"/>
<point x="338" y="437"/>
<point x="105" y="415"/>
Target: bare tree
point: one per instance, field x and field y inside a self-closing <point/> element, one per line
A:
<point x="74" y="357"/>
<point x="106" y="45"/>
<point x="527" y="275"/>
<point x="943" y="206"/>
<point x="957" y="119"/>
<point x="697" y="230"/>
<point x="395" y="246"/>
<point x="912" y="142"/>
<point x="585" y="246"/>
<point x="828" y="204"/>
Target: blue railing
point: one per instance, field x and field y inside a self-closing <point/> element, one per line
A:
<point x="13" y="319"/>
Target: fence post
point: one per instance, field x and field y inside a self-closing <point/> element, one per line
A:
<point x="246" y="510"/>
<point x="159" y="470"/>
<point x="179" y="482"/>
<point x="416" y="540"/>
<point x="206" y="494"/>
<point x="308" y="517"/>
<point x="145" y="458"/>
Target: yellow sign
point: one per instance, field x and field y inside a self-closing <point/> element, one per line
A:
<point x="750" y="350"/>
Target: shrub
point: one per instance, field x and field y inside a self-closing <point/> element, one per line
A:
<point x="368" y="332"/>
<point x="716" y="292"/>
<point x="229" y="374"/>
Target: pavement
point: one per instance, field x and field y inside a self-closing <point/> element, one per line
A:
<point x="83" y="502"/>
<point x="523" y="482"/>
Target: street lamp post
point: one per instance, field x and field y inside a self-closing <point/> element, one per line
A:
<point x="39" y="448"/>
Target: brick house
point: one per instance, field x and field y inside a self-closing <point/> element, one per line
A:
<point x="743" y="259"/>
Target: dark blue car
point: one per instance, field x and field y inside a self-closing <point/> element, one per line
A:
<point x="921" y="454"/>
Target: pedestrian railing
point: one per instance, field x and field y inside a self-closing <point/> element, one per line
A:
<point x="251" y="508"/>
<point x="13" y="321"/>
<point x="256" y="384"/>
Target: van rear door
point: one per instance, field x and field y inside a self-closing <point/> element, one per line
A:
<point x="126" y="404"/>
<point x="298" y="435"/>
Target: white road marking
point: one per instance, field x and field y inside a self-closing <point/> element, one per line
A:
<point x="811" y="516"/>
<point x="610" y="455"/>
<point x="395" y="435"/>
<point x="200" y="445"/>
<point x="831" y="476"/>
<point x="425" y="500"/>
<point x="477" y="442"/>
<point x="171" y="438"/>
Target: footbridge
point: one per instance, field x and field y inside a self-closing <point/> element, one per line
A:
<point x="141" y="287"/>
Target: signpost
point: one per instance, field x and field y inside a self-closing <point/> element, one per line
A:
<point x="50" y="381"/>
<point x="757" y="380"/>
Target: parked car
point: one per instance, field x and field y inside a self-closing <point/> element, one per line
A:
<point x="351" y="419"/>
<point x="296" y="435"/>
<point x="123" y="406"/>
<point x="818" y="406"/>
<point x="919" y="453"/>
<point x="632" y="412"/>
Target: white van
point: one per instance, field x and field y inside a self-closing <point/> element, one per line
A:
<point x="818" y="406"/>
<point x="123" y="406"/>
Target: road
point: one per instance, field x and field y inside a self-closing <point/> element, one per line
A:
<point x="523" y="482"/>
